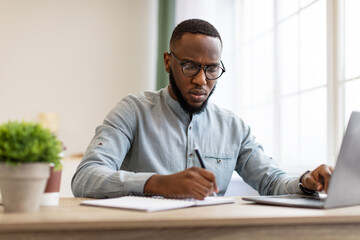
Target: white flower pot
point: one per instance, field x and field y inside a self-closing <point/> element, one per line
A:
<point x="23" y="186"/>
<point x="52" y="191"/>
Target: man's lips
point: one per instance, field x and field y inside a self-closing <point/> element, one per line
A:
<point x="198" y="95"/>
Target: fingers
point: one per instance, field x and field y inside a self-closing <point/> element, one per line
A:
<point x="210" y="177"/>
<point x="202" y="181"/>
<point x="311" y="183"/>
<point x="194" y="182"/>
<point x="199" y="191"/>
<point x="325" y="173"/>
<point x="318" y="179"/>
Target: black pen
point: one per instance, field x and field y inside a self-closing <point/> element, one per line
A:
<point x="202" y="164"/>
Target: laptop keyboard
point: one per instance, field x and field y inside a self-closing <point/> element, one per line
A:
<point x="299" y="200"/>
<point x="299" y="196"/>
<point x="293" y="200"/>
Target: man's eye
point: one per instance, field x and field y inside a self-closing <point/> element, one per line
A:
<point x="190" y="66"/>
<point x="213" y="69"/>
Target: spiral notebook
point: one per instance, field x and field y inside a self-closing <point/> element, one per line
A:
<point x="153" y="204"/>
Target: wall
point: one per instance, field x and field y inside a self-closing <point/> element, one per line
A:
<point x="76" y="58"/>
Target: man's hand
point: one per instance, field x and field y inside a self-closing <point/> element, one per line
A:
<point x="318" y="179"/>
<point x="193" y="182"/>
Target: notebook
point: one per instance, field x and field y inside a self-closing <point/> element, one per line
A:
<point x="343" y="187"/>
<point x="153" y="204"/>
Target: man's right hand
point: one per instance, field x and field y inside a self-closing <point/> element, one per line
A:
<point x="193" y="182"/>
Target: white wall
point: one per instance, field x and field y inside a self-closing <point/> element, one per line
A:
<point x="77" y="58"/>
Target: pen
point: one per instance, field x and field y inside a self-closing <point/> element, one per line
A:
<point x="202" y="164"/>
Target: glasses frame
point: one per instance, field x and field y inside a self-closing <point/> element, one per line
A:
<point x="204" y="67"/>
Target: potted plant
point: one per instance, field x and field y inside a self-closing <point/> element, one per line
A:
<point x="26" y="150"/>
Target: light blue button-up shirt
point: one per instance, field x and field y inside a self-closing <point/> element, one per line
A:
<point x="150" y="133"/>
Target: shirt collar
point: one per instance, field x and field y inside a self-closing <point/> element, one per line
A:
<point x="175" y="107"/>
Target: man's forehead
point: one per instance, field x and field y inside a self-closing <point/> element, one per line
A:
<point x="190" y="39"/>
<point x="198" y="45"/>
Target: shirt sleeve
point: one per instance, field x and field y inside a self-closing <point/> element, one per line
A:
<point x="262" y="172"/>
<point x="99" y="175"/>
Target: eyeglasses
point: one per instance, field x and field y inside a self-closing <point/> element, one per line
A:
<point x="191" y="69"/>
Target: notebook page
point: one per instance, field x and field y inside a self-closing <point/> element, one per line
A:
<point x="214" y="201"/>
<point x="154" y="204"/>
<point x="140" y="203"/>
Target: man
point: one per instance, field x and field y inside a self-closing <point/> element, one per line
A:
<point x="146" y="143"/>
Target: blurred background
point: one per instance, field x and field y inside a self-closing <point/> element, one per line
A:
<point x="292" y="66"/>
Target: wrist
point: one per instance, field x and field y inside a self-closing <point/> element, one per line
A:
<point x="302" y="187"/>
<point x="152" y="185"/>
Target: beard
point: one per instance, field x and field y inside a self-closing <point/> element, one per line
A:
<point x="185" y="105"/>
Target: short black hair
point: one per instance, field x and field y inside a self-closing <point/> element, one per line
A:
<point x="194" y="26"/>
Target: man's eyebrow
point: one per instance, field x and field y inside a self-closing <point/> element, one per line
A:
<point x="187" y="60"/>
<point x="214" y="64"/>
<point x="190" y="60"/>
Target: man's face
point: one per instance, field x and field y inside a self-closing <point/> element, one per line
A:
<point x="184" y="105"/>
<point x="192" y="91"/>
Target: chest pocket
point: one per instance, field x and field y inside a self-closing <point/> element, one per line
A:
<point x="222" y="166"/>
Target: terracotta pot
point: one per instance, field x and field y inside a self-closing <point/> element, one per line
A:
<point x="22" y="186"/>
<point x="52" y="189"/>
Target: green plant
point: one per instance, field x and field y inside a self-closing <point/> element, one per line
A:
<point x="28" y="142"/>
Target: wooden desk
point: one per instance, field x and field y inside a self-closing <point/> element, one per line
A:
<point x="241" y="220"/>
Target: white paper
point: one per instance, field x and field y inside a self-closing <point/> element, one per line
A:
<point x="151" y="204"/>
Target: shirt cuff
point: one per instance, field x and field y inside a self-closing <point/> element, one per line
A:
<point x="293" y="186"/>
<point x="135" y="182"/>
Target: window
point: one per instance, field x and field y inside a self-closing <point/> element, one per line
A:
<point x="351" y="39"/>
<point x="292" y="72"/>
<point x="300" y="78"/>
<point x="284" y="78"/>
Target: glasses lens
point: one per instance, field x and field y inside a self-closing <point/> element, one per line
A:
<point x="190" y="69"/>
<point x="213" y="72"/>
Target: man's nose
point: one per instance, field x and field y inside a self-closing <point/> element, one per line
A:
<point x="200" y="78"/>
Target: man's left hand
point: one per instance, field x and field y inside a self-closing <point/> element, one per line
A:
<point x="318" y="179"/>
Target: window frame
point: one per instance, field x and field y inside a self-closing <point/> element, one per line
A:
<point x="335" y="79"/>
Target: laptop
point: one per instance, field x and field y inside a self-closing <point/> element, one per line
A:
<point x="345" y="181"/>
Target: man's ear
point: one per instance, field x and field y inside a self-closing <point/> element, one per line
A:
<point x="167" y="62"/>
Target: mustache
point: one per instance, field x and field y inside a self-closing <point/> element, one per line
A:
<point x="198" y="91"/>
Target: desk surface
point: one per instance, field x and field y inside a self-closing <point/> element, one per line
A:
<point x="242" y="217"/>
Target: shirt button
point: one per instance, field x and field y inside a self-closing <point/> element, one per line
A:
<point x="219" y="161"/>
<point x="190" y="155"/>
<point x="190" y="128"/>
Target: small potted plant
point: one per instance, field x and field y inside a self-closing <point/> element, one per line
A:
<point x="26" y="150"/>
